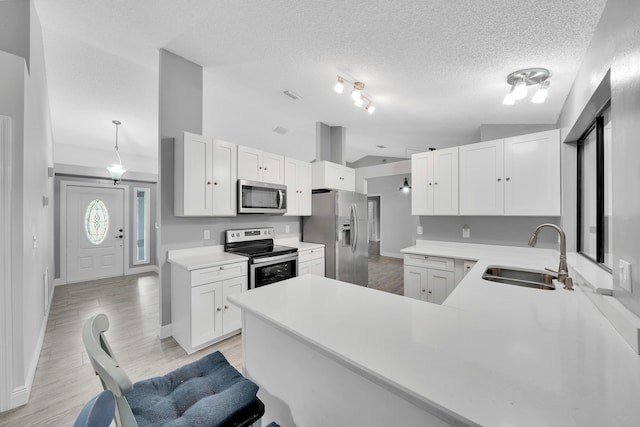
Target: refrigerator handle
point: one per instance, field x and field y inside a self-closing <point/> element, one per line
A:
<point x="354" y="244"/>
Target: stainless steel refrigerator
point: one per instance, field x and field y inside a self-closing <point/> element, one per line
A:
<point x="339" y="221"/>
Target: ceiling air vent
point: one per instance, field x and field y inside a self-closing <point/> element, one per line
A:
<point x="291" y="94"/>
<point x="280" y="130"/>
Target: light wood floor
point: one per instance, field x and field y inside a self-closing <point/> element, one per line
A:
<point x="385" y="273"/>
<point x="64" y="379"/>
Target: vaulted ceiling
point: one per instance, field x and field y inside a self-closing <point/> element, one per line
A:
<point x="435" y="69"/>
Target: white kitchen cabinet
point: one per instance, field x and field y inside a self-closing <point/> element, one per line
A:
<point x="205" y="176"/>
<point x="435" y="182"/>
<point x="515" y="176"/>
<point x="258" y="165"/>
<point x="200" y="312"/>
<point x="332" y="176"/>
<point x="532" y="174"/>
<point x="297" y="178"/>
<point x="311" y="261"/>
<point x="481" y="178"/>
<point x="428" y="278"/>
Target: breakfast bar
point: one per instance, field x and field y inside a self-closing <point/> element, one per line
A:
<point x="325" y="352"/>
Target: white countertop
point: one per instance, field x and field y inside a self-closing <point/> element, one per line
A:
<point x="295" y="243"/>
<point x="491" y="355"/>
<point x="203" y="257"/>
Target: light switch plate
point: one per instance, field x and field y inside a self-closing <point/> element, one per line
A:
<point x="207" y="234"/>
<point x="419" y="231"/>
<point x="466" y="232"/>
<point x="625" y="275"/>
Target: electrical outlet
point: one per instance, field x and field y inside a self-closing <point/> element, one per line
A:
<point x="625" y="275"/>
<point x="466" y="232"/>
<point x="287" y="229"/>
<point x="207" y="234"/>
<point x="419" y="230"/>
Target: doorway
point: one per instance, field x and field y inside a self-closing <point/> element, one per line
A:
<point x="92" y="231"/>
<point x="373" y="211"/>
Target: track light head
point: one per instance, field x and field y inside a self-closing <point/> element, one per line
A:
<point x="339" y="87"/>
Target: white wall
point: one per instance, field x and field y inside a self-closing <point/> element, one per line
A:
<point x="396" y="223"/>
<point x="616" y="47"/>
<point x="24" y="97"/>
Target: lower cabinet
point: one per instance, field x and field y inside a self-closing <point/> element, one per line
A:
<point x="311" y="261"/>
<point x="200" y="312"/>
<point x="428" y="278"/>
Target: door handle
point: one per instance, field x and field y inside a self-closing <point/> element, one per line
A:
<point x="120" y="237"/>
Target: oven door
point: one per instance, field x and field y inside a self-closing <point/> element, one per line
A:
<point x="265" y="271"/>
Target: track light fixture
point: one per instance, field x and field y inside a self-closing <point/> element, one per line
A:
<point x="356" y="93"/>
<point x="519" y="80"/>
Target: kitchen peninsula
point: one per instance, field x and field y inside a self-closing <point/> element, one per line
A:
<point x="326" y="352"/>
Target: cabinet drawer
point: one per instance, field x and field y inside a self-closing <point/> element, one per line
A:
<point x="429" y="261"/>
<point x="219" y="272"/>
<point x="311" y="254"/>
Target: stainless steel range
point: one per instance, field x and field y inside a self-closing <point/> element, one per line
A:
<point x="268" y="263"/>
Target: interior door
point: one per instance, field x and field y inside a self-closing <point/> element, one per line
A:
<point x="95" y="233"/>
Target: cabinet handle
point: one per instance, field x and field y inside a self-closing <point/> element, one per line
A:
<point x="215" y="183"/>
<point x="430" y="184"/>
<point x="424" y="290"/>
<point x="208" y="182"/>
<point x="222" y="267"/>
<point x="508" y="179"/>
<point x="499" y="179"/>
<point x="435" y="183"/>
<point x="218" y="309"/>
<point x="265" y="168"/>
<point x="429" y="291"/>
<point x="259" y="167"/>
<point x="226" y="307"/>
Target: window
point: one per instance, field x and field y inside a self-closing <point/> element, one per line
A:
<point x="141" y="215"/>
<point x="96" y="221"/>
<point x="594" y="191"/>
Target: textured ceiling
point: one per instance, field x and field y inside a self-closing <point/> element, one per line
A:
<point x="435" y="69"/>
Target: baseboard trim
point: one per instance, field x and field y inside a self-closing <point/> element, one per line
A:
<point x="392" y="255"/>
<point x="59" y="282"/>
<point x="19" y="396"/>
<point x="142" y="269"/>
<point x="165" y="331"/>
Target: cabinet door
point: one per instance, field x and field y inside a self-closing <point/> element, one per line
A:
<point x="195" y="185"/>
<point x="333" y="176"/>
<point x="481" y="178"/>
<point x="415" y="282"/>
<point x="272" y="168"/>
<point x="291" y="181"/>
<point x="232" y="320"/>
<point x="225" y="178"/>
<point x="532" y="174"/>
<point x="348" y="181"/>
<point x="206" y="313"/>
<point x="317" y="267"/>
<point x="445" y="181"/>
<point x="439" y="285"/>
<point x="422" y="184"/>
<point x="249" y="163"/>
<point x="304" y="188"/>
<point x="304" y="268"/>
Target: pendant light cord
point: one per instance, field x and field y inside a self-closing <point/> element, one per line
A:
<point x="117" y="123"/>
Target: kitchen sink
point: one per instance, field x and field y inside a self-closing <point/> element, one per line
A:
<point x="520" y="277"/>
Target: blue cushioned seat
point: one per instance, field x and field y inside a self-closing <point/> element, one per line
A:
<point x="206" y="392"/>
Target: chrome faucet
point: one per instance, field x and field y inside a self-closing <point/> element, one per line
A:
<point x="563" y="271"/>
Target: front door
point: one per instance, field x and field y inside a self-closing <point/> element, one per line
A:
<point x="95" y="233"/>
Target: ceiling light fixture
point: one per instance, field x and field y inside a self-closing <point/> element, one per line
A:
<point x="519" y="80"/>
<point x="356" y="93"/>
<point x="541" y="94"/>
<point x="405" y="186"/>
<point x="116" y="170"/>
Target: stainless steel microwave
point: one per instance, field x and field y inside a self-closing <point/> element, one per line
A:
<point x="261" y="198"/>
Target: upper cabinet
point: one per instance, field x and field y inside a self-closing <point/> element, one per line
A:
<point x="517" y="176"/>
<point x="332" y="176"/>
<point x="205" y="176"/>
<point x="435" y="182"/>
<point x="258" y="165"/>
<point x="297" y="178"/>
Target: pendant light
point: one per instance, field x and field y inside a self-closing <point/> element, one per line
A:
<point x="116" y="170"/>
<point x="405" y="186"/>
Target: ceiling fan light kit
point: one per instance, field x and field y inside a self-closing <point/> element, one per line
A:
<point x="356" y="93"/>
<point x="519" y="80"/>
